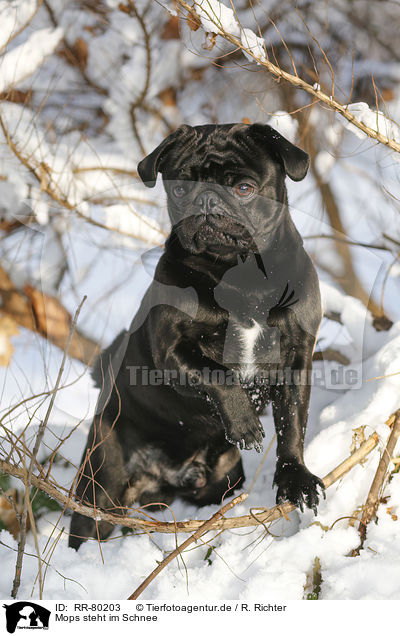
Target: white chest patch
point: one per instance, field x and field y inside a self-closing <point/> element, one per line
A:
<point x="248" y="339"/>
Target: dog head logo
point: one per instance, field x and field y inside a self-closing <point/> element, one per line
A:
<point x="26" y="615"/>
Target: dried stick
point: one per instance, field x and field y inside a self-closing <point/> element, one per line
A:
<point x="341" y="239"/>
<point x="203" y="528"/>
<point x="28" y="475"/>
<point x="131" y="9"/>
<point x="371" y="505"/>
<point x="264" y="515"/>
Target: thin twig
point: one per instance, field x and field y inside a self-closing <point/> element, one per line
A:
<point x="341" y="239"/>
<point x="29" y="474"/>
<point x="35" y="538"/>
<point x="260" y="465"/>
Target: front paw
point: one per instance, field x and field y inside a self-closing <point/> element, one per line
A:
<point x="297" y="485"/>
<point x="246" y="434"/>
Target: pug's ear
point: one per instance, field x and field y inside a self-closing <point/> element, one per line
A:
<point x="151" y="165"/>
<point x="295" y="161"/>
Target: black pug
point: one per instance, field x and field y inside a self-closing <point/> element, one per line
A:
<point x="228" y="325"/>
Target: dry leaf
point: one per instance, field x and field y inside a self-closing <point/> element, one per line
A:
<point x="77" y="54"/>
<point x="209" y="42"/>
<point x="382" y="323"/>
<point x="8" y="328"/>
<point x="197" y="74"/>
<point x="355" y="516"/>
<point x="52" y="319"/>
<point x="16" y="96"/>
<point x="168" y="96"/>
<point x="358" y="439"/>
<point x="124" y="8"/>
<point x="391" y="513"/>
<point x="171" y="29"/>
<point x="388" y="94"/>
<point x="81" y="51"/>
<point x="6" y="225"/>
<point x="7" y="512"/>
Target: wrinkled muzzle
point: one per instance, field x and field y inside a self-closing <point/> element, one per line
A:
<point x="218" y="218"/>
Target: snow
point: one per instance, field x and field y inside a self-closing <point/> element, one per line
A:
<point x="254" y="44"/>
<point x="285" y="124"/>
<point x="324" y="162"/>
<point x="215" y="17"/>
<point x="13" y="16"/>
<point x="23" y="60"/>
<point x="376" y="120"/>
<point x="136" y="225"/>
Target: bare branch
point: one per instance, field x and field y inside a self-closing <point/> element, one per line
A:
<point x="264" y="515"/>
<point x="315" y="91"/>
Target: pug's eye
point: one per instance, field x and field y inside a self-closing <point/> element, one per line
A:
<point x="244" y="189"/>
<point x="179" y="191"/>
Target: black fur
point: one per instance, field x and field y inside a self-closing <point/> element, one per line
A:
<point x="233" y="283"/>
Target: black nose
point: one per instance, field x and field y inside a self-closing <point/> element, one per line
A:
<point x="208" y="201"/>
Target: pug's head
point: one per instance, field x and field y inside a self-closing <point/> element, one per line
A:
<point x="225" y="184"/>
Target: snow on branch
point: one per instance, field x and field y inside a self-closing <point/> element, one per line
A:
<point x="217" y="18"/>
<point x="23" y="60"/>
<point x="14" y="17"/>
